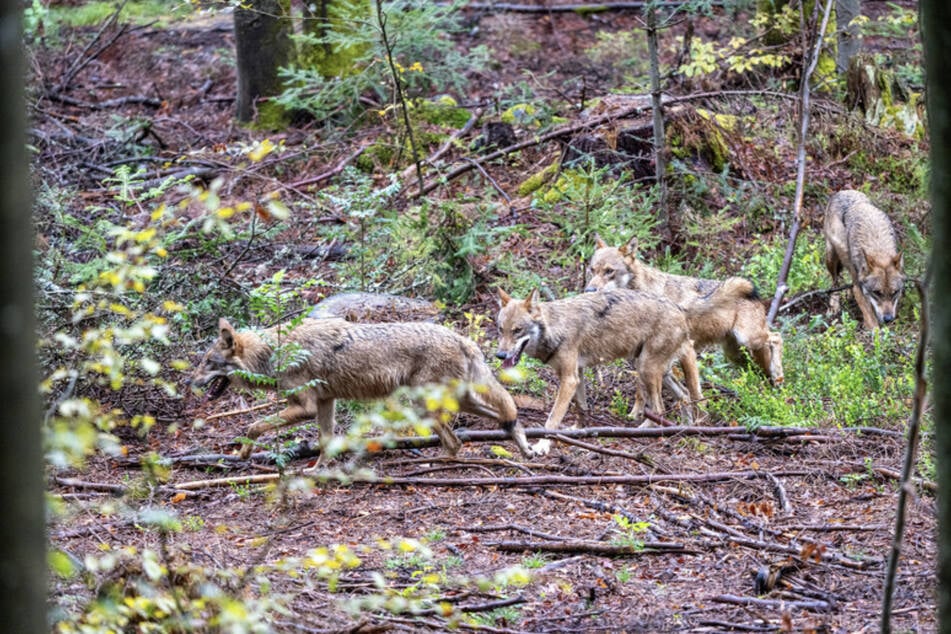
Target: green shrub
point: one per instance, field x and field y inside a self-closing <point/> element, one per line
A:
<point x="836" y="375"/>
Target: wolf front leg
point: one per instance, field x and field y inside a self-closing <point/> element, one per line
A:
<point x="490" y="400"/>
<point x="568" y="381"/>
<point x="294" y="413"/>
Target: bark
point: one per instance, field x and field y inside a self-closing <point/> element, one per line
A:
<point x="848" y="38"/>
<point x="23" y="532"/>
<point x="262" y="45"/>
<point x="936" y="33"/>
<point x="658" y="119"/>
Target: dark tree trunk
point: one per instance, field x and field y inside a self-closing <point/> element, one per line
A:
<point x="22" y="532"/>
<point x="262" y="45"/>
<point x="936" y="33"/>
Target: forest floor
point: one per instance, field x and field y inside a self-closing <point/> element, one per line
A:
<point x="694" y="517"/>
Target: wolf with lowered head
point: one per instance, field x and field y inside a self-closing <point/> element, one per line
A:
<point x="595" y="328"/>
<point x="734" y="325"/>
<point x="861" y="238"/>
<point x="338" y="359"/>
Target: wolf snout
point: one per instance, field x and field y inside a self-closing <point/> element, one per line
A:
<point x="888" y="318"/>
<point x="501" y="354"/>
<point x="590" y="289"/>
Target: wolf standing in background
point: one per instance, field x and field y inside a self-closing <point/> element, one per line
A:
<point x="340" y="359"/>
<point x="585" y="330"/>
<point x="860" y="237"/>
<point x="735" y="325"/>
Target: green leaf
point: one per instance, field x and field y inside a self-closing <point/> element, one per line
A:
<point x="61" y="563"/>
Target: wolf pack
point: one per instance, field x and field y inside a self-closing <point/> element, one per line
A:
<point x="629" y="310"/>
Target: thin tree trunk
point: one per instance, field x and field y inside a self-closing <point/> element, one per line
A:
<point x="660" y="167"/>
<point x="936" y="34"/>
<point x="810" y="59"/>
<point x="23" y="531"/>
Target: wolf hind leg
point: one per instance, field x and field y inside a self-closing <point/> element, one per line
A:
<point x="325" y="426"/>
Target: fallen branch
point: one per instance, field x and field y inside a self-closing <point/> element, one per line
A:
<point x="804" y="296"/>
<point x="929" y="485"/>
<point x="550" y="136"/>
<point x="82" y="60"/>
<point x="514" y="527"/>
<point x="597" y="505"/>
<point x="796" y="550"/>
<point x="244" y="410"/>
<point x="527" y="481"/>
<point x="642" y="458"/>
<point x="313" y="180"/>
<point x="583" y="9"/>
<point x="773" y="604"/>
<point x="585" y="480"/>
<point x="75" y="483"/>
<point x="594" y="548"/>
<point x="306" y="451"/>
<point x="453" y="138"/>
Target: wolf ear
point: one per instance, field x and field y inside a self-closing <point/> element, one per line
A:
<point x="531" y="302"/>
<point x="227" y="334"/>
<point x="599" y="243"/>
<point x="630" y="247"/>
<point x="899" y="261"/>
<point x="504" y="298"/>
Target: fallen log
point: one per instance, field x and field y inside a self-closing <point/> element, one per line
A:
<point x="526" y="481"/>
<point x="594" y="548"/>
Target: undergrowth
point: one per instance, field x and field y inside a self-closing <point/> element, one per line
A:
<point x="835" y="375"/>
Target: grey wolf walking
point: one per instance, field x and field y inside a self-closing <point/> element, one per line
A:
<point x="735" y="325"/>
<point x="861" y="238"/>
<point x="337" y="359"/>
<point x="577" y="332"/>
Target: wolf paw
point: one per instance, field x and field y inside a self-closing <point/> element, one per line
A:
<point x="542" y="447"/>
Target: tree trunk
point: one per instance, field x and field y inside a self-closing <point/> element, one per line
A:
<point x="848" y="38"/>
<point x="23" y="531"/>
<point x="660" y="167"/>
<point x="936" y="33"/>
<point x="262" y="45"/>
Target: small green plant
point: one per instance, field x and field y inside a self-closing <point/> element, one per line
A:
<point x="536" y="560"/>
<point x="585" y="201"/>
<point x="418" y="42"/>
<point x="628" y="532"/>
<point x="809" y="257"/>
<point x="429" y="247"/>
<point x="243" y="491"/>
<point x="499" y="617"/>
<point x="624" y="575"/>
<point x="852" y="480"/>
<point x="193" y="523"/>
<point x="435" y="534"/>
<point x="619" y="405"/>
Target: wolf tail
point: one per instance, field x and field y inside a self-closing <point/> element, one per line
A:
<point x="721" y="302"/>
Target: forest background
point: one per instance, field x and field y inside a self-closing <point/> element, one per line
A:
<point x="490" y="152"/>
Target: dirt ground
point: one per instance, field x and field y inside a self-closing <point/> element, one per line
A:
<point x="812" y="513"/>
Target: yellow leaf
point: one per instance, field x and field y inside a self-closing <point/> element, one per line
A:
<point x="501" y="452"/>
